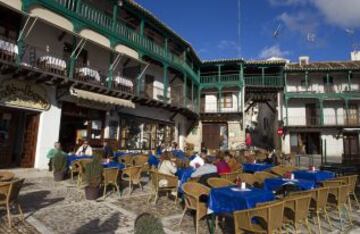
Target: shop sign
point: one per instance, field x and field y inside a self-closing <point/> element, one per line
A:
<point x="280" y="131"/>
<point x="15" y="93"/>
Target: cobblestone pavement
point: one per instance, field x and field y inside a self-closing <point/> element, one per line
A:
<point x="60" y="208"/>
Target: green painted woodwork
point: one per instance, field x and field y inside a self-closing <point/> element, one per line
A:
<point x="323" y="96"/>
<point x="165" y="82"/>
<point x="306" y="80"/>
<point x="266" y="81"/>
<point x="321" y="107"/>
<point x="83" y="15"/>
<point x="185" y="89"/>
<point x="349" y="79"/>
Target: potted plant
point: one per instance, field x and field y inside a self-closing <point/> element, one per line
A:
<point x="59" y="165"/>
<point x="93" y="177"/>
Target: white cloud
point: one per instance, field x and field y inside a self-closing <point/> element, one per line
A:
<point x="303" y="22"/>
<point x="229" y="45"/>
<point x="343" y="13"/>
<point x="273" y="51"/>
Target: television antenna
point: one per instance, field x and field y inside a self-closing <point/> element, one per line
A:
<point x="276" y="33"/>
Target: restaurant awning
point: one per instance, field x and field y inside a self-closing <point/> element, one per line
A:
<point x="91" y="96"/>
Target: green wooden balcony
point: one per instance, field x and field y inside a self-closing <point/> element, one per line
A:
<point x="264" y="81"/>
<point x="89" y="16"/>
<point x="221" y="80"/>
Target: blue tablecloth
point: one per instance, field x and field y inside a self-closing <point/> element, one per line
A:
<point x="226" y="200"/>
<point x="179" y="154"/>
<point x="273" y="184"/>
<point x="153" y="160"/>
<point x="72" y="157"/>
<point x="114" y="164"/>
<point x="316" y="176"/>
<point x="254" y="167"/>
<point x="184" y="174"/>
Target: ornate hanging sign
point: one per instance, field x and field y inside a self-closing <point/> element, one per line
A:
<point x="16" y="93"/>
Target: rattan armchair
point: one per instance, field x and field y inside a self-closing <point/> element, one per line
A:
<point x="248" y="178"/>
<point x="133" y="176"/>
<point x="9" y="193"/>
<point x="338" y="197"/>
<point x="78" y="166"/>
<point x="127" y="160"/>
<point x="281" y="170"/>
<point x="353" y="183"/>
<point x="262" y="175"/>
<point x="271" y="214"/>
<point x="156" y="189"/>
<point x="111" y="178"/>
<point x="215" y="182"/>
<point x="142" y="161"/>
<point x="232" y="176"/>
<point x="296" y="210"/>
<point x="192" y="195"/>
<point x="6" y="176"/>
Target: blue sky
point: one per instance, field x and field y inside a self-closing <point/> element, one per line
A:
<point x="321" y="29"/>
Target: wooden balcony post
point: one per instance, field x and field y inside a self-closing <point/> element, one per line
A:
<point x="306" y="80"/>
<point x="262" y="76"/>
<point x="110" y="72"/>
<point x="321" y="104"/>
<point x="192" y="93"/>
<point x="165" y="81"/>
<point x="142" y="26"/>
<point x="346" y="111"/>
<point x="185" y="89"/>
<point x="219" y="73"/>
<point x="114" y="16"/>
<point x="219" y="100"/>
<point x="241" y="74"/>
<point x="286" y="111"/>
<point x="349" y="79"/>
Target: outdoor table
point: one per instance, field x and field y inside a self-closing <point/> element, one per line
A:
<point x="316" y="176"/>
<point x="273" y="184"/>
<point x="184" y="174"/>
<point x="6" y="176"/>
<point x="254" y="167"/>
<point x="232" y="198"/>
<point x="113" y="164"/>
<point x="71" y="158"/>
<point x="179" y="154"/>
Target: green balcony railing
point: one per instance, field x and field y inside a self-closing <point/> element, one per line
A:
<point x="102" y="22"/>
<point x="264" y="81"/>
<point x="222" y="79"/>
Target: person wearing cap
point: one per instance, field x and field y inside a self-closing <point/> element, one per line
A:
<point x="84" y="149"/>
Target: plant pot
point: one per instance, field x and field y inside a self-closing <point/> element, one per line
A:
<point x="59" y="176"/>
<point x="92" y="193"/>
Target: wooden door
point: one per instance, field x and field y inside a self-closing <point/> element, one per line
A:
<point x="351" y="148"/>
<point x="8" y="122"/>
<point x="149" y="86"/>
<point x="353" y="117"/>
<point x="30" y="139"/>
<point x="311" y="118"/>
<point x="211" y="136"/>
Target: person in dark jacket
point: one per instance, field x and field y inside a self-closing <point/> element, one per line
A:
<point x="107" y="150"/>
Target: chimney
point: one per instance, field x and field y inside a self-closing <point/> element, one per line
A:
<point x="355" y="55"/>
<point x="304" y="60"/>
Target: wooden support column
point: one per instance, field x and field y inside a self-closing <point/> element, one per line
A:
<point x="349" y="80"/>
<point x="185" y="89"/>
<point x="142" y="26"/>
<point x="165" y="82"/>
<point x="192" y="94"/>
<point x="219" y="72"/>
<point x="263" y="76"/>
<point x="114" y="16"/>
<point x="286" y="111"/>
<point x="321" y="105"/>
<point x="219" y="100"/>
<point x="241" y="74"/>
<point x="306" y="80"/>
<point x="347" y="111"/>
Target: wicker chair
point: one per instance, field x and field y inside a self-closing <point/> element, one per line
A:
<point x="248" y="178"/>
<point x="142" y="161"/>
<point x="338" y="197"/>
<point x="262" y="175"/>
<point x="111" y="178"/>
<point x="192" y="193"/>
<point x="128" y="160"/>
<point x="296" y="210"/>
<point x="172" y="185"/>
<point x="281" y="170"/>
<point x="272" y="214"/>
<point x="79" y="167"/>
<point x="218" y="182"/>
<point x="232" y="176"/>
<point x="9" y="193"/>
<point x="353" y="183"/>
<point x="133" y="176"/>
<point x="6" y="176"/>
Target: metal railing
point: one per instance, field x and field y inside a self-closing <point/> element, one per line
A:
<point x="264" y="81"/>
<point x="234" y="78"/>
<point x="328" y="120"/>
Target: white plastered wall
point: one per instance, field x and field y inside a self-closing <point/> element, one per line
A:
<point x="48" y="132"/>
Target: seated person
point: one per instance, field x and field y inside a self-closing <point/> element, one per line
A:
<point x="166" y="166"/>
<point x="271" y="158"/>
<point x="221" y="165"/>
<point x="232" y="162"/>
<point x="84" y="149"/>
<point x="174" y="146"/>
<point x="198" y="161"/>
<point x="206" y="168"/>
<point x="107" y="150"/>
<point x="52" y="152"/>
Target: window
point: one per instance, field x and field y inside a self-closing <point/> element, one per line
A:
<point x="113" y="129"/>
<point x="228" y="101"/>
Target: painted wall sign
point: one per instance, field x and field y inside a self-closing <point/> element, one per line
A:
<point x="15" y="93"/>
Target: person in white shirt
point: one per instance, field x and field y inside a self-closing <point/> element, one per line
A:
<point x="198" y="161"/>
<point x="84" y="149"/>
<point x="166" y="166"/>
